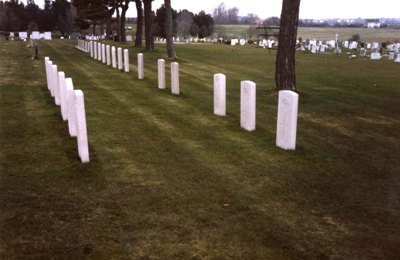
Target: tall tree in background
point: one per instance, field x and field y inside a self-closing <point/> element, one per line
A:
<point x="285" y="75"/>
<point x="168" y="29"/>
<point x="139" y="23"/>
<point x="148" y="25"/>
<point x="124" y="8"/>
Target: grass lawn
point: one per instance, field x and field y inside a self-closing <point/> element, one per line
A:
<point x="323" y="34"/>
<point x="169" y="180"/>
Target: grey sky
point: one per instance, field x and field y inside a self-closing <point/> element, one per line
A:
<point x="308" y="8"/>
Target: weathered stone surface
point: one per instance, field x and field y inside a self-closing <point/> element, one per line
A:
<point x="120" y="58"/>
<point x="71" y="107"/>
<point x="287" y="120"/>
<point x="161" y="74"/>
<point x="113" y="57"/>
<point x="175" y="78"/>
<point x="83" y="146"/>
<point x="140" y="66"/>
<point x="220" y="94"/>
<point x="126" y="60"/>
<point x="108" y="55"/>
<point x="248" y="105"/>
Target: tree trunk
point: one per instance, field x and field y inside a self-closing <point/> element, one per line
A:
<point x="148" y="25"/>
<point x="123" y="21"/>
<point x="285" y="75"/>
<point x="168" y="29"/>
<point x="118" y="25"/>
<point x="139" y="23"/>
<point x="94" y="27"/>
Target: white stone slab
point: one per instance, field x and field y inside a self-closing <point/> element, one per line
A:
<point x="161" y="73"/>
<point x="391" y="55"/>
<point x="248" y="105"/>
<point x="98" y="51"/>
<point x="108" y="55"/>
<point x="71" y="107"/>
<point x="47" y="35"/>
<point x="234" y="42"/>
<point x="23" y="35"/>
<point x="35" y="35"/>
<point x="398" y="58"/>
<point x="113" y="57"/>
<point x="103" y="53"/>
<point x="175" y="78"/>
<point x="376" y="56"/>
<point x="95" y="50"/>
<point x="126" y="60"/>
<point x="56" y="89"/>
<point x="63" y="95"/>
<point x="313" y="48"/>
<point x="47" y="65"/>
<point x="287" y="120"/>
<point x="242" y="42"/>
<point x="219" y="94"/>
<point x="363" y="52"/>
<point x="91" y="49"/>
<point x="120" y="58"/>
<point x="82" y="138"/>
<point x="140" y="66"/>
<point x="129" y="38"/>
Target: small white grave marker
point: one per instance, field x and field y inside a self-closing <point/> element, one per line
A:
<point x="63" y="95"/>
<point x="126" y="60"/>
<point x="140" y="66"/>
<point x="161" y="73"/>
<point x="103" y="53"/>
<point x="113" y="57"/>
<point x="119" y="58"/>
<point x="95" y="50"/>
<point x="71" y="107"/>
<point x="108" y="55"/>
<point x="56" y="89"/>
<point x="98" y="51"/>
<point x="83" y="146"/>
<point x="175" y="78"/>
<point x="376" y="56"/>
<point x="248" y="105"/>
<point x="287" y="120"/>
<point x="220" y="94"/>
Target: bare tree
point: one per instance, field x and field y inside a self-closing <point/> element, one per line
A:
<point x="168" y="29"/>
<point x="148" y="25"/>
<point x="139" y="23"/>
<point x="285" y="75"/>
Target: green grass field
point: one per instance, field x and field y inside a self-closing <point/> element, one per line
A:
<point x="323" y="34"/>
<point x="169" y="180"/>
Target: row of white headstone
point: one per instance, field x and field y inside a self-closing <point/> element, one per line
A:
<point x="174" y="76"/>
<point x="287" y="110"/>
<point x="111" y="55"/>
<point x="35" y="35"/>
<point x="72" y="106"/>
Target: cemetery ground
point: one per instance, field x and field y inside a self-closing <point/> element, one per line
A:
<point x="169" y="180"/>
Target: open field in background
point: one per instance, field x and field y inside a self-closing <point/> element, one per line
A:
<point x="323" y="34"/>
<point x="169" y="180"/>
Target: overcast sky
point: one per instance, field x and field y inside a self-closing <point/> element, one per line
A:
<point x="308" y="8"/>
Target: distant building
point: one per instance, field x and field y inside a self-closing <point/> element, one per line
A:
<point x="372" y="23"/>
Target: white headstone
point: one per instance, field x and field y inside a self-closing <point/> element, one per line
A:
<point x="161" y="73"/>
<point x="113" y="57"/>
<point x="83" y="146"/>
<point x="314" y="48"/>
<point x="248" y="105"/>
<point x="91" y="49"/>
<point x="35" y="35"/>
<point x="47" y="64"/>
<point x="56" y="90"/>
<point x="103" y="53"/>
<point x="219" y="94"/>
<point x="140" y="66"/>
<point x="119" y="58"/>
<point x="99" y="51"/>
<point x="108" y="55"/>
<point x="71" y="107"/>
<point x="47" y="35"/>
<point x="391" y="55"/>
<point x="322" y="49"/>
<point x="363" y="52"/>
<point x="234" y="42"/>
<point x="95" y="50"/>
<point x="287" y="120"/>
<point x="126" y="60"/>
<point x="63" y="95"/>
<point x="23" y="35"/>
<point x="376" y="56"/>
<point x="175" y="78"/>
<point x="129" y="38"/>
<point x="242" y="42"/>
